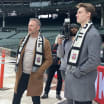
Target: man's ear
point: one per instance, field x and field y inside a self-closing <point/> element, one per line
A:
<point x="38" y="27"/>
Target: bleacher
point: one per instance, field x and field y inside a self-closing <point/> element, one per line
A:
<point x="19" y="35"/>
<point x="11" y="39"/>
<point x="9" y="43"/>
<point x="4" y="35"/>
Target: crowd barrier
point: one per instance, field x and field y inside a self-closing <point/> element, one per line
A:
<point x="99" y="84"/>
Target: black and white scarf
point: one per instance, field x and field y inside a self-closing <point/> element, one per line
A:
<point x="75" y="51"/>
<point x="38" y="58"/>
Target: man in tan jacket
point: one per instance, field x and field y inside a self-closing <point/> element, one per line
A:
<point x="33" y="58"/>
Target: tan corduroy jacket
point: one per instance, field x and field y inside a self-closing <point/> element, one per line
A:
<point x="35" y="84"/>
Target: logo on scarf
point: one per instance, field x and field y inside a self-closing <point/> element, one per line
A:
<point x="38" y="59"/>
<point x="74" y="56"/>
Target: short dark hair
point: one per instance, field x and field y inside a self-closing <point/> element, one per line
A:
<point x="73" y="25"/>
<point x="88" y="6"/>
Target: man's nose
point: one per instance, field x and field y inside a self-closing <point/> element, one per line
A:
<point x="77" y="15"/>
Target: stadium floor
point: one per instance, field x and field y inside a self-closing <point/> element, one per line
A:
<point x="6" y="93"/>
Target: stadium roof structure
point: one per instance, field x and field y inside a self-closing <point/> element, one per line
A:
<point x="28" y="7"/>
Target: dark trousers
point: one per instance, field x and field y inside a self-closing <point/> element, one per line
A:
<point x="51" y="72"/>
<point x="87" y="102"/>
<point x="22" y="86"/>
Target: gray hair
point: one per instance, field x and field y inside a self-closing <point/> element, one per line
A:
<point x="36" y="20"/>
